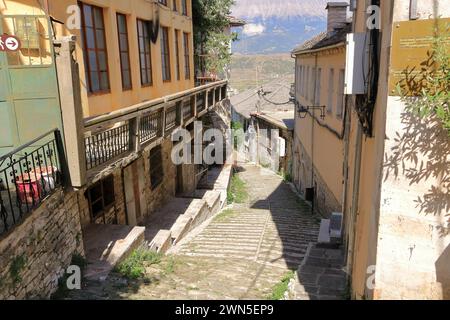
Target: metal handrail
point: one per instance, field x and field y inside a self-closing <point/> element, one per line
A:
<point x="26" y="145"/>
<point x="28" y="179"/>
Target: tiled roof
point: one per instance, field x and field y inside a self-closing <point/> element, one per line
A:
<point x="236" y="22"/>
<point x="324" y="40"/>
<point x="245" y="102"/>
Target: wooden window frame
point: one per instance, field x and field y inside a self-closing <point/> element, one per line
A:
<point x="187" y="56"/>
<point x="177" y="54"/>
<point x="100" y="198"/>
<point x="146" y="50"/>
<point x="86" y="50"/>
<point x="165" y="55"/>
<point x="127" y="52"/>
<point x="156" y="171"/>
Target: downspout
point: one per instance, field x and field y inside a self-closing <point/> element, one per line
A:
<point x="355" y="199"/>
<point x="312" y="132"/>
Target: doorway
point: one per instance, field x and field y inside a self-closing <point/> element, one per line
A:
<point x="134" y="186"/>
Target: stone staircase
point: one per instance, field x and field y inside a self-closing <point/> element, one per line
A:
<point x="175" y="220"/>
<point x="321" y="276"/>
<point x="107" y="245"/>
<point x="180" y="216"/>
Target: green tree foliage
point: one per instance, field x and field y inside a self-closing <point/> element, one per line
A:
<point x="427" y="92"/>
<point x="210" y="19"/>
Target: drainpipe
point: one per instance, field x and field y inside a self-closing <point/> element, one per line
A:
<point x="355" y="200"/>
<point x="312" y="132"/>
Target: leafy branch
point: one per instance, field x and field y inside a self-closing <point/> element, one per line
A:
<point x="427" y="93"/>
<point x="211" y="18"/>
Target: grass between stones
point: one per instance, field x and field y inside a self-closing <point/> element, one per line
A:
<point x="238" y="190"/>
<point x="280" y="288"/>
<point x="133" y="267"/>
<point x="225" y="215"/>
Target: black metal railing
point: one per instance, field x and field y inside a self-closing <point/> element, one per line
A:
<point x="150" y="127"/>
<point x="187" y="109"/>
<point x="105" y="146"/>
<point x="217" y="94"/>
<point x="201" y="103"/>
<point x="171" y="118"/>
<point x="210" y="98"/>
<point x="29" y="175"/>
<point x="224" y="92"/>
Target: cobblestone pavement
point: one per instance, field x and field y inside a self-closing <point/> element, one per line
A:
<point x="242" y="254"/>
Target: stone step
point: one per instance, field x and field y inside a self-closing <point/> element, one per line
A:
<point x="162" y="242"/>
<point x="108" y="245"/>
<point x="320" y="275"/>
<point x="217" y="246"/>
<point x="227" y="241"/>
<point x="234" y="237"/>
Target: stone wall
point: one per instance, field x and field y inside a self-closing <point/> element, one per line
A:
<point x="413" y="252"/>
<point x="116" y="214"/>
<point x="166" y="190"/>
<point x="155" y="199"/>
<point x="34" y="255"/>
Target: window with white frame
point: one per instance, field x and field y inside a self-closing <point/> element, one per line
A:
<point x="302" y="70"/>
<point x="340" y="94"/>
<point x="312" y="84"/>
<point x="304" y="81"/>
<point x="330" y="91"/>
<point x="307" y="83"/>
<point x="318" y="86"/>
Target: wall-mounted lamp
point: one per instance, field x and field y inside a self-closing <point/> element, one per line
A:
<point x="303" y="111"/>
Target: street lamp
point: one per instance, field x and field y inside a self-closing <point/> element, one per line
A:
<point x="303" y="110"/>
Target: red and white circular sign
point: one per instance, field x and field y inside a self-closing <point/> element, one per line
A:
<point x="9" y="43"/>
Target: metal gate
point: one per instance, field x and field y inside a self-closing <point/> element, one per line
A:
<point x="29" y="98"/>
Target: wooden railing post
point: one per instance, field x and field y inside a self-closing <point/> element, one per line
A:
<point x="135" y="141"/>
<point x="164" y="116"/>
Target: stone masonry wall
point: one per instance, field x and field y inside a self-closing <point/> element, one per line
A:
<point x="166" y="190"/>
<point x="116" y="214"/>
<point x="155" y="199"/>
<point x="35" y="254"/>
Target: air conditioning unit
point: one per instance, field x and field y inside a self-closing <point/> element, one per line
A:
<point x="357" y="63"/>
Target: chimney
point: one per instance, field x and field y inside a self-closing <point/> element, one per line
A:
<point x="337" y="15"/>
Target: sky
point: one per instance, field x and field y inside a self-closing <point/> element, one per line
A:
<point x="275" y="9"/>
<point x="279" y="8"/>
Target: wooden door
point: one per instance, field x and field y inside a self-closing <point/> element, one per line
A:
<point x="134" y="186"/>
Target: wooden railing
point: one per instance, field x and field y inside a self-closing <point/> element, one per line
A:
<point x="110" y="137"/>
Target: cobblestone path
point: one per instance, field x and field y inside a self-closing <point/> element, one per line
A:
<point x="242" y="254"/>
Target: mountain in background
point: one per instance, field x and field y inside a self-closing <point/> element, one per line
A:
<point x="277" y="26"/>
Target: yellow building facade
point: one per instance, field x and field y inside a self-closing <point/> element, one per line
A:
<point x="125" y="57"/>
<point x="396" y="204"/>
<point x="388" y="168"/>
<point x="318" y="142"/>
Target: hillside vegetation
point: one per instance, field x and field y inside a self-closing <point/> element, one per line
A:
<point x="250" y="71"/>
